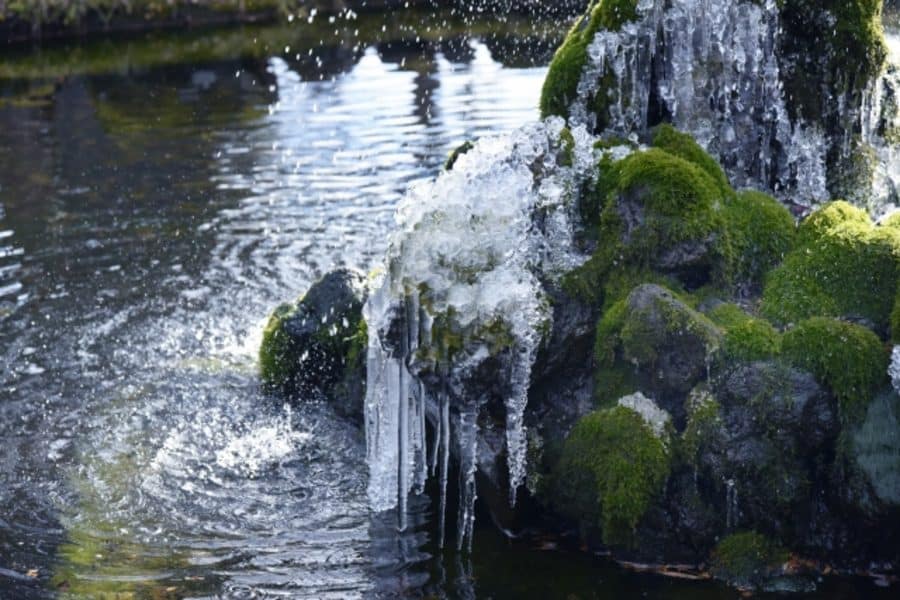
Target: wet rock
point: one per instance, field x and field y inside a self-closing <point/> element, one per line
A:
<point x="758" y="447"/>
<point x="658" y="345"/>
<point x="317" y="344"/>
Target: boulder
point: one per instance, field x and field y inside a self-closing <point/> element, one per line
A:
<point x="317" y="345"/>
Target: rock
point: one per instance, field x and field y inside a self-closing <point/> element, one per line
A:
<point x="755" y="443"/>
<point x="654" y="343"/>
<point x="318" y="344"/>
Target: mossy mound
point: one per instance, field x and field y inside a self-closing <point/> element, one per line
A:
<point x="613" y="467"/>
<point x="747" y="559"/>
<point x="319" y="341"/>
<point x="747" y="338"/>
<point x="561" y="84"/>
<point x="682" y="145"/>
<point x="761" y="231"/>
<point x="847" y="358"/>
<point x="843" y="266"/>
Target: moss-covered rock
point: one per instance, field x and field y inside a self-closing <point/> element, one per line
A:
<point x="666" y="215"/>
<point x="843" y="266"/>
<point x="318" y="343"/>
<point x="682" y="145"/>
<point x="613" y="467"/>
<point x="748" y="560"/>
<point x="847" y="358"/>
<point x="561" y="84"/>
<point x="761" y="232"/>
<point x="654" y="343"/>
<point x="747" y="338"/>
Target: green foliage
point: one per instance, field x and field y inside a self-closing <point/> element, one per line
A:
<point x="843" y="266"/>
<point x="611" y="470"/>
<point x="561" y="84"/>
<point x="684" y="146"/>
<point x="847" y="358"/>
<point x="761" y="232"/>
<point x="748" y="558"/>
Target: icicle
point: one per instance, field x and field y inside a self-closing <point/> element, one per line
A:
<point x="516" y="445"/>
<point x="731" y="504"/>
<point x="445" y="461"/>
<point x="467" y="449"/>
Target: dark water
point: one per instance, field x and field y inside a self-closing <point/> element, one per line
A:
<point x="158" y="196"/>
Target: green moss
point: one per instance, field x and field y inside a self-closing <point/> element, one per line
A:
<point x="567" y="142"/>
<point x="747" y="559"/>
<point x="702" y="423"/>
<point x="761" y="232"/>
<point x="457" y="152"/>
<point x="561" y="85"/>
<point x="843" y="266"/>
<point x="752" y="340"/>
<point x="847" y="358"/>
<point x="684" y="146"/>
<point x="277" y="355"/>
<point x="677" y="204"/>
<point x="612" y="469"/>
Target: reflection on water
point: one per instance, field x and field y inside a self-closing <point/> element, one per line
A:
<point x="157" y="198"/>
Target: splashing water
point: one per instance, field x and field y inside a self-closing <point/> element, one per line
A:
<point x="461" y="296"/>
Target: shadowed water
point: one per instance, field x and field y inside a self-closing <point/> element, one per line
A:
<point x="158" y="196"/>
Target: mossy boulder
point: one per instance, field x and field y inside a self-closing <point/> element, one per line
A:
<point x="318" y="344"/>
<point x="682" y="145"/>
<point x="847" y="358"/>
<point x="614" y="465"/>
<point x="747" y="338"/>
<point x="761" y="232"/>
<point x="665" y="214"/>
<point x="655" y="343"/>
<point x="843" y="266"/>
<point x="561" y="84"/>
<point x="748" y="560"/>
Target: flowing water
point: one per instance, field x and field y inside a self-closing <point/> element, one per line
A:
<point x="158" y="196"/>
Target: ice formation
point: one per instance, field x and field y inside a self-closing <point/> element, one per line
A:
<point x="459" y="311"/>
<point x="710" y="67"/>
<point x="655" y="417"/>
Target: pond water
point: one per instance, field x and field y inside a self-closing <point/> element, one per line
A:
<point x="158" y="197"/>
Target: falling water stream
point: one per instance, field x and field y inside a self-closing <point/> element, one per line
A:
<point x="158" y="196"/>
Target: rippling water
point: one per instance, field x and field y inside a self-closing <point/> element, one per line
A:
<point x="158" y="197"/>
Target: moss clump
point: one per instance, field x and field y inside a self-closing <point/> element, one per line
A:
<point x="747" y="338"/>
<point x="843" y="266"/>
<point x="847" y="358"/>
<point x="703" y="424"/>
<point x="747" y="559"/>
<point x="684" y="146"/>
<point x="277" y="356"/>
<point x="611" y="470"/>
<point x="561" y="84"/>
<point x="456" y="153"/>
<point x="761" y="232"/>
<point x="665" y="215"/>
<point x="567" y="150"/>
